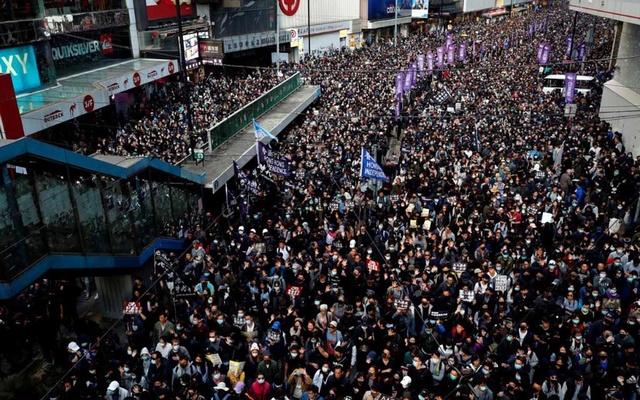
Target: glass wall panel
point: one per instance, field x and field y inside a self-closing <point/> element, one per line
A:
<point x="179" y="199"/>
<point x="57" y="212"/>
<point x="118" y="217"/>
<point x="8" y="236"/>
<point x="34" y="238"/>
<point x="142" y="211"/>
<point x="162" y="201"/>
<point x="93" y="225"/>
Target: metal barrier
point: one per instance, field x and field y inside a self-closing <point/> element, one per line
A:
<point x="237" y="121"/>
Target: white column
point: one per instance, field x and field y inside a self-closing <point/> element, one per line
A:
<point x="133" y="30"/>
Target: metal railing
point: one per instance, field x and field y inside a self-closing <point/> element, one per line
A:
<point x="237" y="121"/>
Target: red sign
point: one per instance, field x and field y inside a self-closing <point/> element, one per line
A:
<point x="289" y="7"/>
<point x="166" y="9"/>
<point x="107" y="43"/>
<point x="172" y="68"/>
<point x="131" y="308"/>
<point x="136" y="79"/>
<point x="373" y="266"/>
<point x="10" y="121"/>
<point x="88" y="103"/>
<point x="293" y="291"/>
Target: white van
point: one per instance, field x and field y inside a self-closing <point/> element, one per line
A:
<point x="584" y="83"/>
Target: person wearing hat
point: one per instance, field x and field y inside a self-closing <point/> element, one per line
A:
<point x="276" y="340"/>
<point x="221" y="392"/>
<point x="268" y="368"/>
<point x="115" y="392"/>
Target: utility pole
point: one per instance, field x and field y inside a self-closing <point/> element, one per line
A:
<point x="309" y="24"/>
<point x="277" y="39"/>
<point x="395" y="26"/>
<point x="573" y="34"/>
<point x="183" y="78"/>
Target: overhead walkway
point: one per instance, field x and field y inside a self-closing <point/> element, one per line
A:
<point x="233" y="139"/>
<point x="60" y="210"/>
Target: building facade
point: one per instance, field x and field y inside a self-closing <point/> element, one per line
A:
<point x="621" y="95"/>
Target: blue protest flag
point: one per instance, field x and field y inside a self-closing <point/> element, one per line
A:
<point x="369" y="168"/>
<point x="260" y="132"/>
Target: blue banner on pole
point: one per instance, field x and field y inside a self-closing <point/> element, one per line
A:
<point x="569" y="86"/>
<point x="430" y="62"/>
<point x="546" y="54"/>
<point x="421" y="64"/>
<point x="440" y="53"/>
<point x="369" y="168"/>
<point x="260" y="132"/>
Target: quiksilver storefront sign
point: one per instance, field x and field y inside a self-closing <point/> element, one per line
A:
<point x="75" y="50"/>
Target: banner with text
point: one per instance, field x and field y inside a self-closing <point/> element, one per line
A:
<point x="276" y="164"/>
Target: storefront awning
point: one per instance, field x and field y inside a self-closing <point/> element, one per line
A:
<point x="495" y="13"/>
<point x="83" y="93"/>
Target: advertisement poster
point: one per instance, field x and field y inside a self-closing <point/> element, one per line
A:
<point x="191" y="49"/>
<point x="385" y="9"/>
<point x="166" y="9"/>
<point x="420" y="8"/>
<point x="20" y="62"/>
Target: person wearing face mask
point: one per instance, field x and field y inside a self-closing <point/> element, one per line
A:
<point x="115" y="392"/>
<point x="321" y="376"/>
<point x="159" y="369"/>
<point x="176" y="352"/>
<point x="183" y="369"/>
<point x="420" y="375"/>
<point x="250" y="329"/>
<point x="481" y="391"/>
<point x="260" y="389"/>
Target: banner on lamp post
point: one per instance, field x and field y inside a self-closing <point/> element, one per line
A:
<point x="569" y="86"/>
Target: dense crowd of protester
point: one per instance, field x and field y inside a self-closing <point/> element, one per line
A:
<point x="501" y="261"/>
<point x="159" y="126"/>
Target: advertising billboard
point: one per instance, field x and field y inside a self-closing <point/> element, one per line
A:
<point x="20" y="62"/>
<point x="386" y="9"/>
<point x="150" y="13"/>
<point x="211" y="51"/>
<point x="419" y="8"/>
<point x="77" y="53"/>
<point x="166" y="9"/>
<point x="191" y="51"/>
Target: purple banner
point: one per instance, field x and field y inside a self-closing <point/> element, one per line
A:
<point x="397" y="107"/>
<point x="569" y="86"/>
<point x="462" y="51"/>
<point x="505" y="45"/>
<point x="449" y="41"/>
<point x="407" y="82"/>
<point x="568" y="52"/>
<point x="582" y="50"/>
<point x="530" y="30"/>
<point x="412" y="72"/>
<point x="399" y="83"/>
<point x="451" y="54"/>
<point x="430" y="62"/>
<point x="440" y="51"/>
<point x="546" y="54"/>
<point x="421" y="64"/>
<point x="540" y="50"/>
